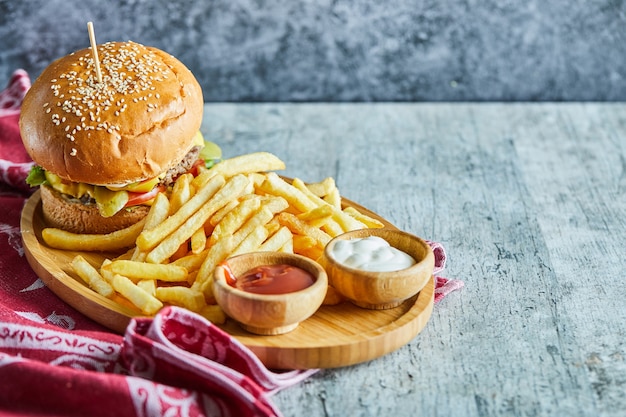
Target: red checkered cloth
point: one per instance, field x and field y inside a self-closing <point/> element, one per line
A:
<point x="55" y="361"/>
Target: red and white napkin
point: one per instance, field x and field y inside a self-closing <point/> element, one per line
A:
<point x="14" y="161"/>
<point x="55" y="361"/>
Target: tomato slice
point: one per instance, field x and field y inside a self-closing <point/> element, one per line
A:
<point x="135" y="199"/>
<point x="194" y="168"/>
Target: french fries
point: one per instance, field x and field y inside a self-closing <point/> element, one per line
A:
<point x="137" y="271"/>
<point x="248" y="163"/>
<point x="111" y="242"/>
<point x="166" y="248"/>
<point x="238" y="206"/>
<point x="148" y="239"/>
<point x="143" y="300"/>
<point x="92" y="277"/>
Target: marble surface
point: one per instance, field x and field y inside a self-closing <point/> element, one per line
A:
<point x="348" y="50"/>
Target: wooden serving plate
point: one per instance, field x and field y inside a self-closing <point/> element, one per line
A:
<point x="334" y="336"/>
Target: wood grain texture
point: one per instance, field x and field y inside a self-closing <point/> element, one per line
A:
<point x="530" y="202"/>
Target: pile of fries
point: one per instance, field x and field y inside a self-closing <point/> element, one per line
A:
<point x="240" y="205"/>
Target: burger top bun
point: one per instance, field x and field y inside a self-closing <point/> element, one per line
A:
<point x="135" y="124"/>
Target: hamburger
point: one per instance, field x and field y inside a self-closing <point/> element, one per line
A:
<point x="103" y="149"/>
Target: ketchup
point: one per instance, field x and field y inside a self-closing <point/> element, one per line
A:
<point x="272" y="279"/>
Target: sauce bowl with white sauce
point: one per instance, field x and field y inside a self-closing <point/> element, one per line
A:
<point x="378" y="268"/>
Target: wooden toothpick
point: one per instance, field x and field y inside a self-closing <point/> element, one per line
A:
<point x="94" y="50"/>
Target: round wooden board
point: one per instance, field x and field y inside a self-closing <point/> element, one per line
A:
<point x="334" y="336"/>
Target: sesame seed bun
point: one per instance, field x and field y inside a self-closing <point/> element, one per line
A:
<point x="73" y="216"/>
<point x="136" y="124"/>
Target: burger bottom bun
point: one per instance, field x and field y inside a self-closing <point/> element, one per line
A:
<point x="76" y="217"/>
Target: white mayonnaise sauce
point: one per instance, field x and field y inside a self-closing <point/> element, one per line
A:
<point x="370" y="254"/>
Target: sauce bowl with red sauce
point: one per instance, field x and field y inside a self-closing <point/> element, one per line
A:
<point x="269" y="293"/>
<point x="378" y="288"/>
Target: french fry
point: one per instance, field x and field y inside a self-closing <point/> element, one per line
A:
<point x="272" y="226"/>
<point x="251" y="242"/>
<point x="260" y="218"/>
<point x="249" y="190"/>
<point x="317" y="217"/>
<point x="221" y="213"/>
<point x="148" y="285"/>
<point x="307" y="246"/>
<point x="368" y="221"/>
<point x="191" y="261"/>
<point x="235" y="219"/>
<point x="111" y="242"/>
<point x="191" y="277"/>
<point x="314" y="252"/>
<point x="181" y="296"/>
<point x="345" y="221"/>
<point x="287" y="247"/>
<point x="303" y="243"/>
<point x="275" y="185"/>
<point x="145" y="302"/>
<point x="256" y="178"/>
<point x="181" y="192"/>
<point x="158" y="213"/>
<point x="91" y="276"/>
<point x="299" y="227"/>
<point x="198" y="241"/>
<point x="243" y="164"/>
<point x="106" y="273"/>
<point x="275" y="204"/>
<point x="231" y="190"/>
<point x="140" y="271"/>
<point x="213" y="313"/>
<point x="216" y="254"/>
<point x="277" y="241"/>
<point x="126" y="255"/>
<point x="202" y="179"/>
<point x="333" y="198"/>
<point x="322" y="188"/>
<point x="148" y="239"/>
<point x="308" y="201"/>
<point x="182" y="251"/>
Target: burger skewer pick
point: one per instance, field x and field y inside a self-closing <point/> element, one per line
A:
<point x="94" y="50"/>
<point x="105" y="145"/>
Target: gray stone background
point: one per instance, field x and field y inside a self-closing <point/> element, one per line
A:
<point x="348" y="50"/>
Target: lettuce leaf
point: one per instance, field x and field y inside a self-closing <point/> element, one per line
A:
<point x="36" y="176"/>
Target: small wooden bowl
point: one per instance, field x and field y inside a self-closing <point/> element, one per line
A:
<point x="269" y="314"/>
<point x="381" y="290"/>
